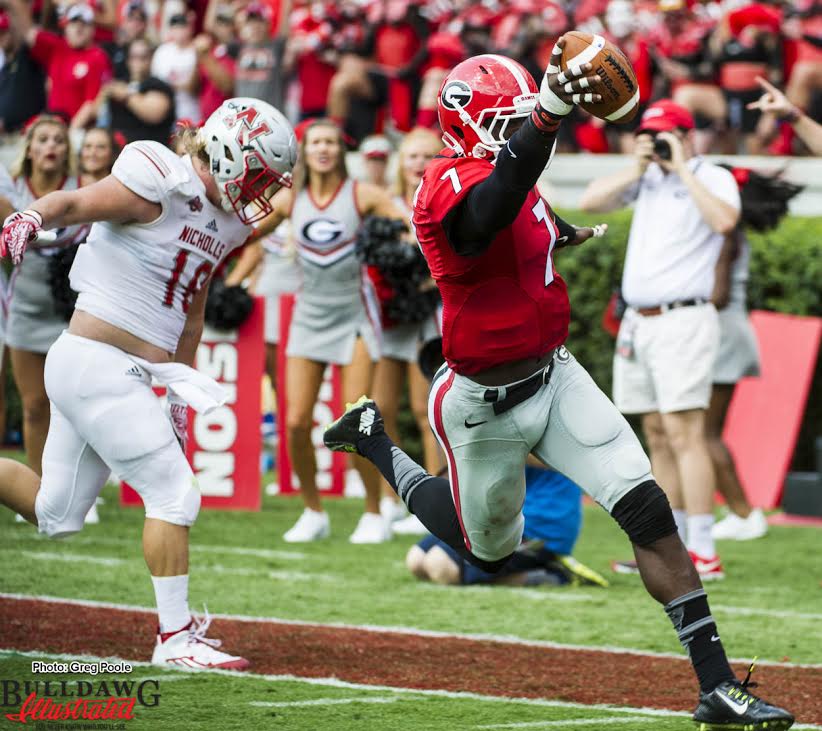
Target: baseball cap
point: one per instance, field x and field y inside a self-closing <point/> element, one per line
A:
<point x="375" y="147"/>
<point x="664" y="116"/>
<point x="82" y="12"/>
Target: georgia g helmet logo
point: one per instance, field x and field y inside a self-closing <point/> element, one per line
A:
<point x="456" y="95"/>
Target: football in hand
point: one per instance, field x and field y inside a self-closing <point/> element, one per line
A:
<point x="619" y="88"/>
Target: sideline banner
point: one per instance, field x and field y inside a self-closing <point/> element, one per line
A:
<point x="330" y="465"/>
<point x="224" y="446"/>
<point x="765" y="413"/>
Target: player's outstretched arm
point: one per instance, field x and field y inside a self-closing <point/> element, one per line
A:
<point x="106" y="200"/>
<point x="494" y="203"/>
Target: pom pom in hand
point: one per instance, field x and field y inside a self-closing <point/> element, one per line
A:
<point x="227" y="307"/>
<point x="380" y="245"/>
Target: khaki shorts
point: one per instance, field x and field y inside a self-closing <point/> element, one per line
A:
<point x="568" y="423"/>
<point x="670" y="360"/>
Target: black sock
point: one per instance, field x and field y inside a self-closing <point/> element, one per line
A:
<point x="697" y="632"/>
<point x="427" y="497"/>
<point x="399" y="470"/>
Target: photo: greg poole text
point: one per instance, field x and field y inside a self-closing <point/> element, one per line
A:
<point x="77" y="666"/>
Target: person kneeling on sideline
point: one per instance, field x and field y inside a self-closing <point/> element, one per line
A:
<point x="553" y="519"/>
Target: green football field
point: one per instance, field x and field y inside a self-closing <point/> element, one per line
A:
<point x="769" y="606"/>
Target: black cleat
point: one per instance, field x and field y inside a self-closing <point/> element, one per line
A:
<point x="359" y="420"/>
<point x="730" y="707"/>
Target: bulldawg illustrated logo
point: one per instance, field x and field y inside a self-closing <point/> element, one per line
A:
<point x="75" y="701"/>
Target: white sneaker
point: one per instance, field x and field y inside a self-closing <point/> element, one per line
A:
<point x="734" y="528"/>
<point x="310" y="526"/>
<point x="392" y="510"/>
<point x="92" y="516"/>
<point x="372" y="528"/>
<point x="410" y="526"/>
<point x="354" y="486"/>
<point x="189" y="648"/>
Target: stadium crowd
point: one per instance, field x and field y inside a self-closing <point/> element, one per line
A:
<point x="137" y="66"/>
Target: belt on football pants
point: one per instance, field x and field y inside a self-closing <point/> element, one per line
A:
<point x="506" y="398"/>
<point x="659" y="309"/>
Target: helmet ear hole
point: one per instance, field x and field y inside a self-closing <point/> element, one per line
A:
<point x="458" y="132"/>
<point x="227" y="153"/>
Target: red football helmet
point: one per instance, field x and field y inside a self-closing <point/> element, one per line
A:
<point x="479" y="98"/>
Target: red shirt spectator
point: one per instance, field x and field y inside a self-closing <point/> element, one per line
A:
<point x="211" y="95"/>
<point x="310" y="39"/>
<point x="76" y="69"/>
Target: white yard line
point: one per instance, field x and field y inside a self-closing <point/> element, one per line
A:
<point x="170" y="673"/>
<point x="322" y="702"/>
<point x="195" y="547"/>
<point x="777" y="613"/>
<point x="215" y="568"/>
<point x="73" y="558"/>
<point x="603" y="721"/>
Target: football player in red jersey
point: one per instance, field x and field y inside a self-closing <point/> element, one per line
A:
<point x="509" y="387"/>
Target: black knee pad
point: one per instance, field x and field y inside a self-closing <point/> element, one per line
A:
<point x="645" y="514"/>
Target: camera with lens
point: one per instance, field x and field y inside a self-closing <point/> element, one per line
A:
<point x="662" y="149"/>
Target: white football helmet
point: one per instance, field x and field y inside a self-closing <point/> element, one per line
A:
<point x="252" y="150"/>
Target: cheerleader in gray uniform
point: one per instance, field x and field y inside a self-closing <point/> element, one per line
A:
<point x="401" y="343"/>
<point x="274" y="258"/>
<point x="336" y="317"/>
<point x="764" y="203"/>
<point x="34" y="323"/>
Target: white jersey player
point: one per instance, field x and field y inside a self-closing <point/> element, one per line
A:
<point x="163" y="223"/>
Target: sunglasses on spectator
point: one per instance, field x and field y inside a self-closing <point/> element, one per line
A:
<point x="179" y="19"/>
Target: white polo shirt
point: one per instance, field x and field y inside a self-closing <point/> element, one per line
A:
<point x="672" y="251"/>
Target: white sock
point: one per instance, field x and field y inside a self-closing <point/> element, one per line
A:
<point x="171" y="593"/>
<point x="700" y="540"/>
<point x="680" y="518"/>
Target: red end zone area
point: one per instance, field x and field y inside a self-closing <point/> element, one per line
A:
<point x="404" y="659"/>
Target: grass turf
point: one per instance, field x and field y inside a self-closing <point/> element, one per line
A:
<point x="187" y="701"/>
<point x="241" y="565"/>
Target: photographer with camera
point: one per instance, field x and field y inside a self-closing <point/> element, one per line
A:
<point x="669" y="336"/>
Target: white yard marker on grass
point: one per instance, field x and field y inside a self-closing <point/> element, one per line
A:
<point x="73" y="558"/>
<point x="322" y="702"/>
<point x="200" y="547"/>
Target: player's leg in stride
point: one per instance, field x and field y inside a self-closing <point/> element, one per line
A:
<point x="360" y="430"/>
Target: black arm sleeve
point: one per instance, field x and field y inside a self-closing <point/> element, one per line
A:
<point x="567" y="233"/>
<point x="494" y="203"/>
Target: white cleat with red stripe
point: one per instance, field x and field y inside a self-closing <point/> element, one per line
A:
<point x="189" y="648"/>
